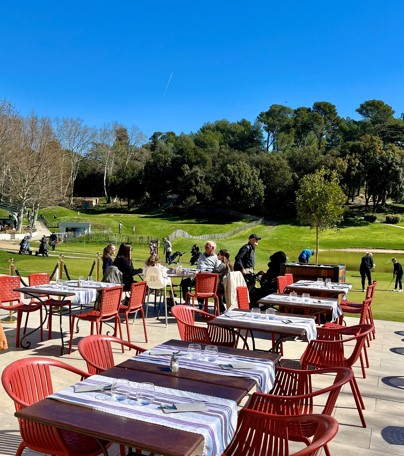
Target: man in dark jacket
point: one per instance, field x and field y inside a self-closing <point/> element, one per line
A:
<point x="245" y="260"/>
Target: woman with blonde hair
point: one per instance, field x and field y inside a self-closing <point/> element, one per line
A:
<point x="107" y="254"/>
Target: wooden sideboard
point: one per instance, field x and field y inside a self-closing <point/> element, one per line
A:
<point x="336" y="272"/>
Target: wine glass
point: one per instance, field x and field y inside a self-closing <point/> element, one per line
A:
<point x="255" y="312"/>
<point x="270" y="313"/>
<point x="306" y="297"/>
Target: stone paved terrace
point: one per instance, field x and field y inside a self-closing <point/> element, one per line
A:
<point x="382" y="390"/>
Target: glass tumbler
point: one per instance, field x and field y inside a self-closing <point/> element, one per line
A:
<point x="194" y="352"/>
<point x="211" y="353"/>
<point x="145" y="393"/>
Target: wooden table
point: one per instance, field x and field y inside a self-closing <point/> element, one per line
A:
<point x="139" y="434"/>
<point x="285" y="332"/>
<point x="308" y="306"/>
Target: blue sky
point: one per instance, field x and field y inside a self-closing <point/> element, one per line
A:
<point x="172" y="66"/>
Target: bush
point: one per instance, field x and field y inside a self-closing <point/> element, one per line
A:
<point x="392" y="219"/>
<point x="370" y="217"/>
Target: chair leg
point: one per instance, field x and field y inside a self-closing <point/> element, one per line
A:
<point x="71" y="335"/>
<point x="144" y="324"/>
<point x="127" y="326"/>
<point x="17" y="337"/>
<point x="358" y="400"/>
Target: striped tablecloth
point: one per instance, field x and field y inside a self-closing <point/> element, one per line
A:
<point x="261" y="321"/>
<point x="217" y="424"/>
<point x="262" y="371"/>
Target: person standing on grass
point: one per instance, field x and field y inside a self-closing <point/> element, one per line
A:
<point x="365" y="269"/>
<point x="305" y="256"/>
<point x="398" y="274"/>
<point x="167" y="250"/>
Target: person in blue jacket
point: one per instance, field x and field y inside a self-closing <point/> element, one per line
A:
<point x="305" y="256"/>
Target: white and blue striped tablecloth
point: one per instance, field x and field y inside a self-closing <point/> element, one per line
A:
<point x="217" y="424"/>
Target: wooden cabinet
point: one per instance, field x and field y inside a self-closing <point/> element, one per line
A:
<point x="311" y="271"/>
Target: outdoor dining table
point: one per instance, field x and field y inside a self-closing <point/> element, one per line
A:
<point x="320" y="289"/>
<point x="206" y="429"/>
<point x="182" y="273"/>
<point x="306" y="305"/>
<point x="82" y="293"/>
<point x="287" y="327"/>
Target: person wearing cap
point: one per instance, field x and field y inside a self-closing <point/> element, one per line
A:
<point x="245" y="260"/>
<point x="305" y="256"/>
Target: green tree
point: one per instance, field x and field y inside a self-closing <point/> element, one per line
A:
<point x="320" y="202"/>
<point x="275" y="121"/>
<point x="377" y="112"/>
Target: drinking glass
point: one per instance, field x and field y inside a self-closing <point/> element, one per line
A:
<point x="211" y="353"/>
<point x="270" y="313"/>
<point x="194" y="352"/>
<point x="320" y="281"/>
<point x="293" y="295"/>
<point x="120" y="390"/>
<point x="306" y="297"/>
<point x="80" y="282"/>
<point x="145" y="393"/>
<point x="255" y="312"/>
<point x="90" y="278"/>
<point x="327" y="282"/>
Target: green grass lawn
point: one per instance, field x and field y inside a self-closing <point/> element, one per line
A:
<point x="288" y="237"/>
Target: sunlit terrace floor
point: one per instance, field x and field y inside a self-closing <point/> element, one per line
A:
<point x="382" y="390"/>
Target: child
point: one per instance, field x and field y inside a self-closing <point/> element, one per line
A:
<point x="398" y="274"/>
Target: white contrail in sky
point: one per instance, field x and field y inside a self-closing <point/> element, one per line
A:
<point x="168" y="83"/>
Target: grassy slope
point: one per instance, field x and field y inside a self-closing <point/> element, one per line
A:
<point x="287" y="237"/>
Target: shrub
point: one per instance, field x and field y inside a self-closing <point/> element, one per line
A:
<point x="370" y="217"/>
<point x="392" y="219"/>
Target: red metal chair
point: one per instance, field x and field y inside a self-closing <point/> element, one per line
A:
<point x="28" y="381"/>
<point x="9" y="299"/>
<point x="108" y="310"/>
<point x="343" y="330"/>
<point x="351" y="306"/>
<point x="43" y="279"/>
<point x="15" y="303"/>
<point x="262" y="434"/>
<point x="324" y="353"/>
<point x="205" y="288"/>
<point x="185" y="317"/>
<point x="97" y="351"/>
<point x="135" y="305"/>
<point x="295" y="392"/>
<point x="281" y="280"/>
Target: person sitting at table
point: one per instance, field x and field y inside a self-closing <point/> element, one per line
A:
<point x="123" y="262"/>
<point x="107" y="254"/>
<point x="268" y="282"/>
<point x="223" y="269"/>
<point x="207" y="262"/>
<point x="305" y="256"/>
<point x="154" y="260"/>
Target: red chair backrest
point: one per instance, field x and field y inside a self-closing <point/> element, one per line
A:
<point x="137" y="296"/>
<point x="38" y="278"/>
<point x="243" y="300"/>
<point x="328" y="350"/>
<point x="206" y="282"/>
<point x="289" y="278"/>
<point x="185" y="316"/>
<point x="7" y="285"/>
<point x="281" y="280"/>
<point x="96" y="350"/>
<point x="110" y="301"/>
<point x="265" y="434"/>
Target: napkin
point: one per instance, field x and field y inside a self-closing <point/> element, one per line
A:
<point x="160" y="352"/>
<point x="86" y="388"/>
<point x="178" y="408"/>
<point x="237" y="365"/>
